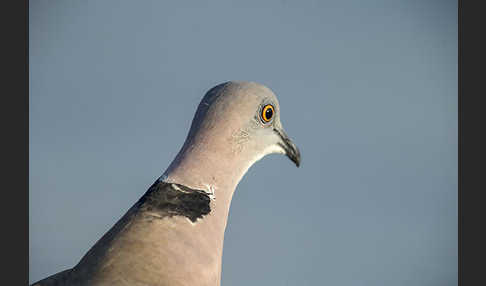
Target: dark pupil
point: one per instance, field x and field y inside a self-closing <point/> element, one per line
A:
<point x="268" y="113"/>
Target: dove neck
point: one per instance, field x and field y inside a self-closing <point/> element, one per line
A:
<point x="203" y="168"/>
<point x="215" y="169"/>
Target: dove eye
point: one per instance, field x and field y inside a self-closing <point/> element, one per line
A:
<point x="267" y="113"/>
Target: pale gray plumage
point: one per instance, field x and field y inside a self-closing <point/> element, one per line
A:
<point x="174" y="234"/>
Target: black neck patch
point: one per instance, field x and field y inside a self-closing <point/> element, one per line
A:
<point x="168" y="199"/>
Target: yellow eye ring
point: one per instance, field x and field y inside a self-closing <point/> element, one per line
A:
<point x="267" y="113"/>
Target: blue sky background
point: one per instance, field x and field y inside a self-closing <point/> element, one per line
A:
<point x="368" y="91"/>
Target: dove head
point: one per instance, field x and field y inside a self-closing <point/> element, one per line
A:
<point x="235" y="125"/>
